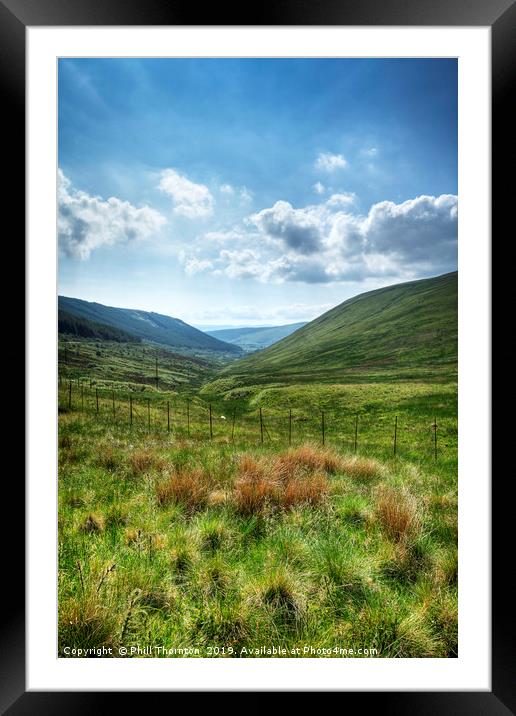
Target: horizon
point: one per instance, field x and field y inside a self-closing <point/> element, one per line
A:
<point x="313" y="181"/>
<point x="216" y="327"/>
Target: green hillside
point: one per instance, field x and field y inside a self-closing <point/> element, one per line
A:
<point x="252" y="338"/>
<point x="406" y="330"/>
<point x="83" y="328"/>
<point x="148" y="326"/>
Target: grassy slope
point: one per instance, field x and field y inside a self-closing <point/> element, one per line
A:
<point x="149" y="326"/>
<point x="78" y="327"/>
<point x="128" y="366"/>
<point x="408" y="328"/>
<point x="255" y="338"/>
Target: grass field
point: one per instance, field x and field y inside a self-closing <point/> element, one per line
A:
<point x="229" y="546"/>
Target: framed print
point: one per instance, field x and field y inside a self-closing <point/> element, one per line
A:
<point x="258" y="356"/>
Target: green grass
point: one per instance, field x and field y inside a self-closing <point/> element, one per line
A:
<point x="407" y="331"/>
<point x="253" y="536"/>
<point x="202" y="574"/>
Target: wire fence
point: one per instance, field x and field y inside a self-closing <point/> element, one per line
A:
<point x="180" y="416"/>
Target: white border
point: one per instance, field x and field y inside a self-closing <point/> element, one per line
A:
<point x="471" y="671"/>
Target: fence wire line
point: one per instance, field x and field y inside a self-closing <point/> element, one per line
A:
<point x="286" y="425"/>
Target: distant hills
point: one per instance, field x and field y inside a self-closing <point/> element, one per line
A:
<point x="145" y="325"/>
<point x="408" y="328"/>
<point x="252" y="338"/>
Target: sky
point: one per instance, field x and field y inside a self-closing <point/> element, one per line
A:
<point x="253" y="191"/>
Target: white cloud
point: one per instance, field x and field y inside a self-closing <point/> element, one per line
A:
<point x="319" y="188"/>
<point x="328" y="162"/>
<point x="191" y="200"/>
<point x="297" y="229"/>
<point x="194" y="265"/>
<point x="339" y="200"/>
<point x="327" y="242"/>
<point x="255" y="315"/>
<point x="226" y="189"/>
<point x="246" y="195"/>
<point x="87" y="222"/>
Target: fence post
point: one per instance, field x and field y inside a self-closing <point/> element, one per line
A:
<point x="290" y="426"/>
<point x="322" y="427"/>
<point x="356" y="432"/>
<point x="435" y="438"/>
<point x="261" y="426"/>
<point x="233" y="426"/>
<point x="395" y="433"/>
<point x="211" y="425"/>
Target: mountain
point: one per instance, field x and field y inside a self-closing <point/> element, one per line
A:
<point x="408" y="329"/>
<point x="252" y="338"/>
<point x="148" y="326"/>
<point x="77" y="326"/>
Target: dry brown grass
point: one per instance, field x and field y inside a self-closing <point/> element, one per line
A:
<point x="107" y="457"/>
<point x="142" y="461"/>
<point x="93" y="523"/>
<point x="308" y="458"/>
<point x="254" y="487"/>
<point x="309" y="490"/>
<point x="361" y="468"/>
<point x="397" y="512"/>
<point x="187" y="486"/>
<point x="291" y="479"/>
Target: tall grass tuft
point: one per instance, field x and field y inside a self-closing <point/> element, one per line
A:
<point x="397" y="512"/>
<point x="186" y="486"/>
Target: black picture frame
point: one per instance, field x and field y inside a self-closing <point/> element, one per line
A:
<point x="500" y="16"/>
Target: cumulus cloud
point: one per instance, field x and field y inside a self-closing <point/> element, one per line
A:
<point x="328" y="162"/>
<point x="87" y="222"/>
<point x="297" y="229"/>
<point x="340" y="200"/>
<point x="328" y="242"/>
<point x="319" y="188"/>
<point x="194" y="201"/>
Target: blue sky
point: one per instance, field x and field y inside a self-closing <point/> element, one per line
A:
<point x="253" y="191"/>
